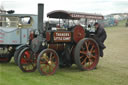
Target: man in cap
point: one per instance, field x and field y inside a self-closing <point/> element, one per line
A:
<point x="100" y="36"/>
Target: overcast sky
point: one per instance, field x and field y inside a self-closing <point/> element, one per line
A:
<point x="90" y="6"/>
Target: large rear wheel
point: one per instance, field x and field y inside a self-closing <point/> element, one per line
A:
<point x="86" y="54"/>
<point x="27" y="60"/>
<point x="47" y="62"/>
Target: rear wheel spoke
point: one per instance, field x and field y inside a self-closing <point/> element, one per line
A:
<point x="94" y="57"/>
<point x="81" y="57"/>
<point x="92" y="48"/>
<point x="93" y="51"/>
<point x="83" y="62"/>
<point x="83" y="52"/>
<point x="86" y="46"/>
<point x="90" y="60"/>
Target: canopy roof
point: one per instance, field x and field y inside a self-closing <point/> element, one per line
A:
<point x="73" y="15"/>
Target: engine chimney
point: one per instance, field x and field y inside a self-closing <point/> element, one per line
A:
<point x="40" y="18"/>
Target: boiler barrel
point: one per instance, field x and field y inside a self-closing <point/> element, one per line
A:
<point x="56" y="47"/>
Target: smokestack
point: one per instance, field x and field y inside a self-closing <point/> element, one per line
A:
<point x="40" y="18"/>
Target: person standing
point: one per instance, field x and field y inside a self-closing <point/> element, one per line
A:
<point x="100" y="36"/>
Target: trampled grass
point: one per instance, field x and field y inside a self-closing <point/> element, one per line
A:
<point x="111" y="70"/>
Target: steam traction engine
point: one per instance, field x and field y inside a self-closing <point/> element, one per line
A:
<point x="59" y="46"/>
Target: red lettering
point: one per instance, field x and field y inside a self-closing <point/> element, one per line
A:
<point x="1" y="37"/>
<point x="14" y="41"/>
<point x="24" y="36"/>
<point x="1" y="41"/>
<point x="2" y="33"/>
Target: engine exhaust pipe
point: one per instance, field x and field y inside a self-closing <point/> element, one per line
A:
<point x="40" y="18"/>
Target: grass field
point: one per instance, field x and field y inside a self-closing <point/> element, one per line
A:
<point x="111" y="70"/>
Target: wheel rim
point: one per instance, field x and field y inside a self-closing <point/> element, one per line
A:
<point x="89" y="55"/>
<point x="28" y="61"/>
<point x="48" y="62"/>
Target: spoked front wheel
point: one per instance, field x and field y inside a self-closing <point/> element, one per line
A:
<point x="47" y="62"/>
<point x="27" y="60"/>
<point x="86" y="54"/>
